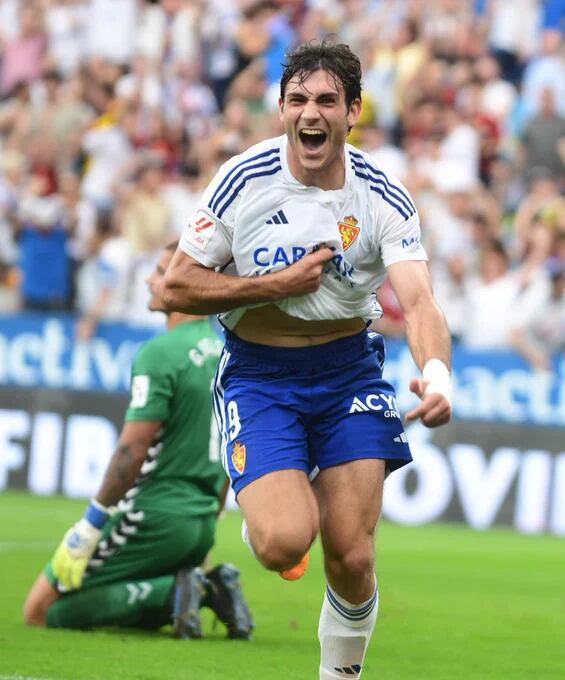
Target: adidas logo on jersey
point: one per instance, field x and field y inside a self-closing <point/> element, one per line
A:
<point x="279" y="218"/>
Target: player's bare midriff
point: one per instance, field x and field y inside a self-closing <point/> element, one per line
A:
<point x="269" y="325"/>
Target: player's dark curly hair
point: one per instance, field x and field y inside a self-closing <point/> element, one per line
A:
<point x="336" y="59"/>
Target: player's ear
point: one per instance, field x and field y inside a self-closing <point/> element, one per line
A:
<point x="354" y="112"/>
<point x="281" y="103"/>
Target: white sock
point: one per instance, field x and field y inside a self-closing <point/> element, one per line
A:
<point x="246" y="539"/>
<point x="344" y="633"/>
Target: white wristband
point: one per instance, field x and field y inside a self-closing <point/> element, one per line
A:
<point x="436" y="374"/>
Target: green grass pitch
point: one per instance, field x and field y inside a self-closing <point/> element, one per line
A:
<point x="455" y="605"/>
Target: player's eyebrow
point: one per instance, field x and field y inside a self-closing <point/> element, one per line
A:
<point x="304" y="94"/>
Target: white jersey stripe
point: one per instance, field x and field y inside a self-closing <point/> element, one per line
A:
<point x="394" y="190"/>
<point x="215" y="198"/>
<point x="382" y="192"/>
<point x="239" y="187"/>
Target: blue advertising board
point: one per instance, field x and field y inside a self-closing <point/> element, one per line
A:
<point x="41" y="351"/>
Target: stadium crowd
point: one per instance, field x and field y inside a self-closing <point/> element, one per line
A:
<point x="114" y="114"/>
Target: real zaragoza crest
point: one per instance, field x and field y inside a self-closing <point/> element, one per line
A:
<point x="238" y="457"/>
<point x="348" y="230"/>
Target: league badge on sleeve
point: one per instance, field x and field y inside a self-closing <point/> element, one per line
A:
<point x="200" y="230"/>
<point x="348" y="230"/>
<point x="139" y="391"/>
<point x="238" y="457"/>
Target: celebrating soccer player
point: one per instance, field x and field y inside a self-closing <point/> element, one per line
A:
<point x="290" y="242"/>
<point x="139" y="566"/>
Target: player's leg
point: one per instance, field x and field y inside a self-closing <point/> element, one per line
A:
<point x="357" y="430"/>
<point x="282" y="517"/>
<point x="131" y="579"/>
<point x="146" y="603"/>
<point x="259" y="405"/>
<point x="350" y="499"/>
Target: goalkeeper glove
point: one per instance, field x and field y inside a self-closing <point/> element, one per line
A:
<point x="77" y="547"/>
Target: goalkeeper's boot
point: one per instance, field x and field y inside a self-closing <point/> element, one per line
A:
<point x="225" y="598"/>
<point x="190" y="591"/>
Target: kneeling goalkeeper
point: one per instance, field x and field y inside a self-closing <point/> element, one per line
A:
<point x="139" y="565"/>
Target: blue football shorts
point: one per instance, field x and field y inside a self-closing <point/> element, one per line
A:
<point x="305" y="408"/>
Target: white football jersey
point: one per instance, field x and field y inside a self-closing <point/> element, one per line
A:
<point x="255" y="218"/>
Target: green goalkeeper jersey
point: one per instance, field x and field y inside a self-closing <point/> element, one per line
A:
<point x="172" y="378"/>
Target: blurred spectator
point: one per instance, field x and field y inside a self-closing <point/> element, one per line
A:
<point x="44" y="261"/>
<point x="221" y="56"/>
<point x="543" y="136"/>
<point x="145" y="216"/>
<point x="9" y="23"/>
<point x="389" y="157"/>
<point x="23" y="55"/>
<point x="513" y="35"/>
<point x="111" y="29"/>
<point x="65" y="23"/>
<point x="498" y="96"/>
<point x="497" y="297"/>
<point x="182" y="194"/>
<point x="543" y="335"/>
<point x="193" y="99"/>
<point x="115" y="113"/>
<point x="141" y="85"/>
<point x="449" y="291"/>
<point x="265" y="31"/>
<point x="41" y="153"/>
<point x="542" y="198"/>
<point x="167" y="31"/>
<point x="107" y="149"/>
<point x="12" y="177"/>
<point x="79" y="216"/>
<point x="545" y="71"/>
<point x="16" y="116"/>
<point x="111" y="284"/>
<point x="104" y="283"/>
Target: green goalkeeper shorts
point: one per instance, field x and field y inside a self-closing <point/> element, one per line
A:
<point x="145" y="544"/>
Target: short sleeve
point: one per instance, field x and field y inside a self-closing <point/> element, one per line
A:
<point x="152" y="385"/>
<point x="208" y="235"/>
<point x="206" y="239"/>
<point x="400" y="239"/>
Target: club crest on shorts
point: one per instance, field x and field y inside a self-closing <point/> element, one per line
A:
<point x="238" y="457"/>
<point x="348" y="230"/>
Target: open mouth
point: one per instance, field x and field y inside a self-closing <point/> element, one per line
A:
<point x="312" y="139"/>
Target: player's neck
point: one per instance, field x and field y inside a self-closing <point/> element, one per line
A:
<point x="329" y="178"/>
<point x="174" y="318"/>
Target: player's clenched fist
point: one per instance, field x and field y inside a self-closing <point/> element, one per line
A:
<point x="305" y="276"/>
<point x="434" y="389"/>
<point x="77" y="547"/>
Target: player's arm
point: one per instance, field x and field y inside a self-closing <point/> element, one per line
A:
<point x="191" y="287"/>
<point x="126" y="461"/>
<point x="79" y="543"/>
<point x="429" y="340"/>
